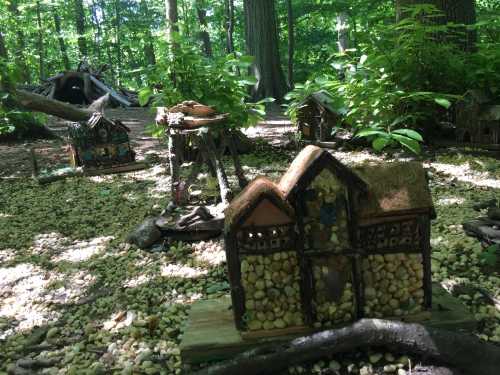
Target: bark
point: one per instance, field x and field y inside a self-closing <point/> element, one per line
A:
<point x="149" y="50"/>
<point x="117" y="6"/>
<point x="460" y="12"/>
<point x="40" y="103"/>
<point x="80" y="27"/>
<point x="172" y="17"/>
<point x="41" y="52"/>
<point x="204" y="35"/>
<point x="261" y="33"/>
<point x="3" y="49"/>
<point x="291" y="42"/>
<point x="230" y="25"/>
<point x="98" y="33"/>
<point x="62" y="43"/>
<point x="19" y="57"/>
<point x="461" y="351"/>
<point x="342" y="31"/>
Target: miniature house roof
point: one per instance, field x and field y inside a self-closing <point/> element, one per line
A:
<point x="323" y="98"/>
<point x="99" y="119"/>
<point x="261" y="203"/>
<point x="308" y="163"/>
<point x="396" y="188"/>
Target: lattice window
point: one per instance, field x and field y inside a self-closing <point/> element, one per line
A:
<point x="265" y="239"/>
<point x="389" y="236"/>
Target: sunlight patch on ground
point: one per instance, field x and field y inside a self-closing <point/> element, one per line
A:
<point x="22" y="289"/>
<point x="178" y="270"/>
<point x="61" y="248"/>
<point x="71" y="288"/>
<point x="119" y="320"/>
<point x="210" y="252"/>
<point x="450" y="201"/>
<point x="465" y="173"/>
<point x="137" y="281"/>
<point x="2" y="215"/>
<point x="7" y="255"/>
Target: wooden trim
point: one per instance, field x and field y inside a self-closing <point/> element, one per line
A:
<point x="425" y="236"/>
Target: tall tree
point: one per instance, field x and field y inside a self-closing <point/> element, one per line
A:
<point x="80" y="27"/>
<point x="96" y="21"/>
<point x="149" y="50"/>
<point x="40" y="46"/>
<point x="229" y="25"/>
<point x="261" y="34"/>
<point x="460" y="12"/>
<point x="3" y="48"/>
<point x="291" y="41"/>
<point x="60" y="39"/>
<point x="117" y="9"/>
<point x="172" y="17"/>
<point x="342" y="31"/>
<point x="204" y="35"/>
<point x="19" y="55"/>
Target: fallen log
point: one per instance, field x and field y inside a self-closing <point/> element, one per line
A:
<point x="40" y="103"/>
<point x="115" y="95"/>
<point x="462" y="351"/>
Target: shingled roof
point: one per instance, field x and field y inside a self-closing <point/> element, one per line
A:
<point x="395" y="188"/>
<point x="258" y="191"/>
<point x="308" y="163"/>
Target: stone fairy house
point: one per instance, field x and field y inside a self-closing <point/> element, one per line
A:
<point x="100" y="143"/>
<point x="328" y="245"/>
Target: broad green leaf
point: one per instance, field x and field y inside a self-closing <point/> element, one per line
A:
<point x="144" y="96"/>
<point x="443" y="102"/>
<point x="370" y="132"/>
<point x="380" y="143"/>
<point x="410" y="134"/>
<point x="363" y="59"/>
<point x="408" y="143"/>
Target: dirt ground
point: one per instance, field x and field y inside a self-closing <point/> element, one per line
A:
<point x="15" y="160"/>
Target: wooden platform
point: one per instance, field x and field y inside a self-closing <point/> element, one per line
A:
<point x="211" y="335"/>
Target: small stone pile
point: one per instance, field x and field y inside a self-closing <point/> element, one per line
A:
<point x="272" y="291"/>
<point x="393" y="285"/>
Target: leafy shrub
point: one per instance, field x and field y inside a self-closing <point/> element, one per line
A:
<point x="187" y="75"/>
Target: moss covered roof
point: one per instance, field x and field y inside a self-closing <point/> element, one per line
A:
<point x="397" y="187"/>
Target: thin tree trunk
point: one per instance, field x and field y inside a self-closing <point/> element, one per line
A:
<point x="149" y="50"/>
<point x="172" y="17"/>
<point x="41" y="52"/>
<point x="204" y="35"/>
<point x="19" y="56"/>
<point x="291" y="42"/>
<point x="262" y="43"/>
<point x="230" y="26"/>
<point x="343" y="31"/>
<point x="3" y="49"/>
<point x="62" y="43"/>
<point x="98" y="33"/>
<point x="118" y="41"/>
<point x="80" y="27"/>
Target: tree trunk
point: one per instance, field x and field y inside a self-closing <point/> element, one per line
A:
<point x="62" y="43"/>
<point x="118" y="51"/>
<point x="172" y="18"/>
<point x="98" y="34"/>
<point x="204" y="35"/>
<point x="291" y="42"/>
<point x="3" y="49"/>
<point x="230" y="26"/>
<point x="19" y="56"/>
<point x="149" y="50"/>
<point x="80" y="27"/>
<point x="343" y="31"/>
<point x="261" y="34"/>
<point x="459" y="12"/>
<point x="40" y="46"/>
<point x="462" y="351"/>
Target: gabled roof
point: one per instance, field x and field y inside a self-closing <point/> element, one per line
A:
<point x="308" y="163"/>
<point x="395" y="188"/>
<point x="98" y="119"/>
<point x="258" y="191"/>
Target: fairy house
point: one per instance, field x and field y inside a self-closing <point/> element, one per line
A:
<point x="99" y="143"/>
<point x="330" y="244"/>
<point x="317" y="117"/>
<point x="478" y="119"/>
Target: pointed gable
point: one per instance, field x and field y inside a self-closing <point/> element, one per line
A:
<point x="308" y="164"/>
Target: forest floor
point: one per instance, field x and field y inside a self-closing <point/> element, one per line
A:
<point x="74" y="294"/>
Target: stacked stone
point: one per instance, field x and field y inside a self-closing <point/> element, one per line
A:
<point x="327" y="232"/>
<point x="393" y="285"/>
<point x="328" y="312"/>
<point x="272" y="291"/>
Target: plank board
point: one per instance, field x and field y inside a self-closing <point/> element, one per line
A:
<point x="211" y="335"/>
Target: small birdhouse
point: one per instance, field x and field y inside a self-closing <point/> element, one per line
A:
<point x="478" y="119"/>
<point x="99" y="143"/>
<point x="318" y="116"/>
<point x="264" y="267"/>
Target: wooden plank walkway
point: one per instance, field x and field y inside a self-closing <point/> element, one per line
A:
<point x="211" y="335"/>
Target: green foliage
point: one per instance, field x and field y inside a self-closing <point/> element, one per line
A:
<point x="490" y="255"/>
<point x="187" y="75"/>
